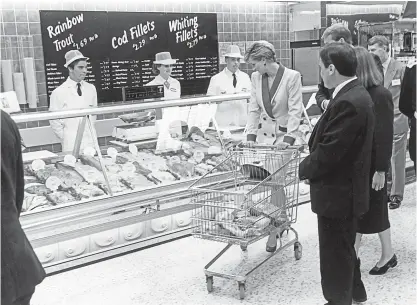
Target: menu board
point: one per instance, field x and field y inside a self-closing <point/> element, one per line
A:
<point x="121" y="47"/>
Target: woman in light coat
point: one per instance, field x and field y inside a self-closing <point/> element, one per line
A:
<point x="274" y="113"/>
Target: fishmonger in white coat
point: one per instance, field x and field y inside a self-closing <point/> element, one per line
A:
<point x="162" y="66"/>
<point x="229" y="81"/>
<point x="74" y="93"/>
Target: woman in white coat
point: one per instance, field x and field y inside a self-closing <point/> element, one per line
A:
<point x="274" y="113"/>
<point x="162" y="66"/>
<point x="172" y="116"/>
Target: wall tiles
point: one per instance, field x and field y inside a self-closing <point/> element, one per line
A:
<point x="236" y="23"/>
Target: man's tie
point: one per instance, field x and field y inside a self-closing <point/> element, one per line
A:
<point x="167" y="84"/>
<point x="79" y="89"/>
<point x="234" y="80"/>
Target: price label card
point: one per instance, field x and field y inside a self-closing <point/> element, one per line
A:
<point x="70" y="160"/>
<point x="133" y="149"/>
<point x="112" y="152"/>
<point x="89" y="151"/>
<point x="38" y="165"/>
<point x="53" y="183"/>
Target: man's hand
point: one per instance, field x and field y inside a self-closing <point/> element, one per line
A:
<point x="378" y="181"/>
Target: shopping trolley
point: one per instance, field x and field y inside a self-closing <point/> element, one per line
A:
<point x="258" y="195"/>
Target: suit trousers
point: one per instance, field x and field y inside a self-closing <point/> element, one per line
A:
<point x="337" y="258"/>
<point x="399" y="148"/>
<point x="24" y="300"/>
<point x="412" y="141"/>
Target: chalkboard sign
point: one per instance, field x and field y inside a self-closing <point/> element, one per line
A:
<point x="122" y="46"/>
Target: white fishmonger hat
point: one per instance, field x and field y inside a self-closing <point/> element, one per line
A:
<point x="234" y="52"/>
<point x="72" y="56"/>
<point x="164" y="58"/>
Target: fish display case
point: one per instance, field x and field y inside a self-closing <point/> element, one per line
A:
<point x="97" y="202"/>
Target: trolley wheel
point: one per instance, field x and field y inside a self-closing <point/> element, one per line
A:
<point x="242" y="290"/>
<point x="209" y="280"/>
<point x="244" y="248"/>
<point x="298" y="251"/>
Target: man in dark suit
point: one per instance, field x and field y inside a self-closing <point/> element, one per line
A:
<point x="407" y="104"/>
<point x="21" y="270"/>
<point x="335" y="33"/>
<point x="393" y="75"/>
<point x="338" y="170"/>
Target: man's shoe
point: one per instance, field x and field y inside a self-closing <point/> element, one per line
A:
<point x="395" y="203"/>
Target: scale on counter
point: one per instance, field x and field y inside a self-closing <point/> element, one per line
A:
<point x="138" y="126"/>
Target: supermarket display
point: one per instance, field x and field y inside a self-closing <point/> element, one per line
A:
<point x="127" y="171"/>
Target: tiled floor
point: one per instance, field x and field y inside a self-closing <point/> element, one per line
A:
<point x="173" y="273"/>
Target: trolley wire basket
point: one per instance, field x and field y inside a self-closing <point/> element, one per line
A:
<point x="257" y="196"/>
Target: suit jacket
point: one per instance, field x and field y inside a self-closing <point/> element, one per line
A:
<point x="392" y="81"/>
<point x="287" y="106"/>
<point x="338" y="166"/>
<point x="324" y="94"/>
<point x="383" y="133"/>
<point x="21" y="270"/>
<point x="407" y="103"/>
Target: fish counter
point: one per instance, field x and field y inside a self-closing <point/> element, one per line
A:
<point x="83" y="207"/>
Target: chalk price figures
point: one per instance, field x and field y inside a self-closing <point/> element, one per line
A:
<point x="139" y="45"/>
<point x="84" y="42"/>
<point x="193" y="43"/>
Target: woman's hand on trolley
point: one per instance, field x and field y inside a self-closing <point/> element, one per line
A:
<point x="282" y="145"/>
<point x="249" y="144"/>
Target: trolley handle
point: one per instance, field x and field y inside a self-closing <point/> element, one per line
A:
<point x="270" y="146"/>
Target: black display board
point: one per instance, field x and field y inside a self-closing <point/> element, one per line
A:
<point x="122" y="46"/>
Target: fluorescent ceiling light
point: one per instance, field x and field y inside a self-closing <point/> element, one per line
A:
<point x="309" y="12"/>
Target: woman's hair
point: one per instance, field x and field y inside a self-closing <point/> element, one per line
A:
<point x="155" y="68"/>
<point x="367" y="71"/>
<point x="259" y="50"/>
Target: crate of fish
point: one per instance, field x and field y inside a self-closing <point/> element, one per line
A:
<point x="258" y="196"/>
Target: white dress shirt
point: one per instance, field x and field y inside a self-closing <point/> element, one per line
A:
<point x="66" y="97"/>
<point x="340" y="86"/>
<point x="230" y="113"/>
<point x="385" y="65"/>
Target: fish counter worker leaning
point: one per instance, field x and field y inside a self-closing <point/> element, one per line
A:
<point x="74" y="93"/>
<point x="229" y="81"/>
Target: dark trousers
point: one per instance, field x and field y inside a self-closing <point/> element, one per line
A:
<point x="25" y="299"/>
<point x="337" y="259"/>
<point x="412" y="141"/>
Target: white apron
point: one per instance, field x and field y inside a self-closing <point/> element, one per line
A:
<point x="71" y="125"/>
